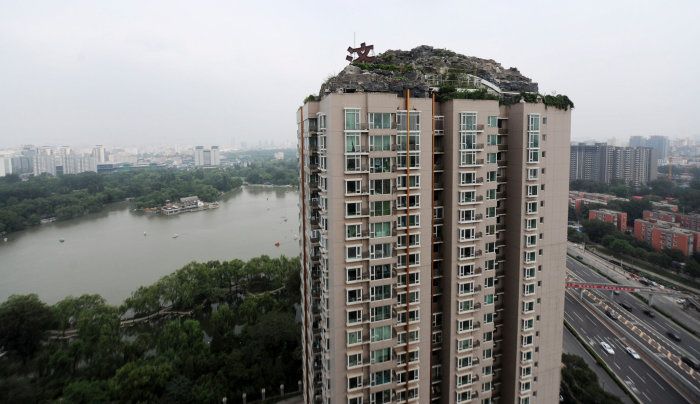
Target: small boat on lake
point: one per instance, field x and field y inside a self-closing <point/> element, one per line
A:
<point x="60" y="240"/>
<point x="175" y="235"/>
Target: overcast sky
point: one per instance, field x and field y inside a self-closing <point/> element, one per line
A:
<point x="218" y="72"/>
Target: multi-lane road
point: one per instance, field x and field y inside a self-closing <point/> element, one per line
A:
<point x="656" y="376"/>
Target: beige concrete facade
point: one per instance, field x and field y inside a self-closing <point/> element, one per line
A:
<point x="440" y="239"/>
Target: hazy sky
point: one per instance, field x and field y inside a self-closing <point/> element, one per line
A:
<point x="217" y="72"/>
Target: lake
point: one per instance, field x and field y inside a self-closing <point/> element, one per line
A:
<point x="107" y="253"/>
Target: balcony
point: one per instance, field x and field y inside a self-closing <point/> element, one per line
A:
<point x="502" y="131"/>
<point x="502" y="163"/>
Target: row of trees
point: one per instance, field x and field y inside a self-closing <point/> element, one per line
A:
<point x="579" y="384"/>
<point x="626" y="244"/>
<point x="241" y="338"/>
<point x="25" y="203"/>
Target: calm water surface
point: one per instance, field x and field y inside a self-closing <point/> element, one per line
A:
<point x="108" y="254"/>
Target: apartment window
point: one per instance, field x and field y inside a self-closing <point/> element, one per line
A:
<point x="352" y="119"/>
<point x="528" y="307"/>
<point x="382" y="333"/>
<point x="531" y="207"/>
<point x="465" y="270"/>
<point x="353" y="274"/>
<point x="486" y="387"/>
<point x="466" y="215"/>
<point x="380" y="143"/>
<point x="487" y="370"/>
<point x="488" y="318"/>
<point x="353" y="253"/>
<point x="533" y="156"/>
<point x="494" y="140"/>
<point x="531" y="173"/>
<point x="380" y="187"/>
<point x="467" y="197"/>
<point x="354" y="295"/>
<point x="380" y="356"/>
<point x="414" y="181"/>
<point x="380" y="229"/>
<point x="352" y="142"/>
<point x="414" y="297"/>
<point x="467" y="141"/>
<point x="467" y="121"/>
<point x="353" y="209"/>
<point x="491" y="195"/>
<point x="414" y="201"/>
<point x="401" y="340"/>
<point x="464" y="396"/>
<point x="487" y="353"/>
<point x="464" y="344"/>
<point x="378" y="272"/>
<point x="354" y="316"/>
<point x="354" y="359"/>
<point x="415" y="240"/>
<point x="530" y="273"/>
<point x="491" y="176"/>
<point x="414" y="160"/>
<point x="380" y="165"/>
<point x="466" y="252"/>
<point x="379" y="313"/>
<point x="464" y="362"/>
<point x="355" y="400"/>
<point x="465" y="288"/>
<point x="492" y="158"/>
<point x="466" y="234"/>
<point x="379" y="120"/>
<point x="529" y="257"/>
<point x="493" y="121"/>
<point x="531" y="224"/>
<point x="490" y="229"/>
<point x="533" y="122"/>
<point x="413" y="221"/>
<point x="467" y="178"/>
<point x="464" y="306"/>
<point x="354" y="382"/>
<point x="532" y="190"/>
<point x="488" y="299"/>
<point x="353" y="231"/>
<point x="530" y="240"/>
<point x="491" y="211"/>
<point x="379" y="251"/>
<point x="380" y="292"/>
<point x="413" y="316"/>
<point x="533" y="140"/>
<point x="465" y="325"/>
<point x="353" y="187"/>
<point x="529" y="289"/>
<point x="464" y="380"/>
<point x="467" y="158"/>
<point x="524" y="386"/>
<point x="490" y="265"/>
<point x="401" y="142"/>
<point x="528" y="324"/>
<point x="414" y="279"/>
<point x="380" y="208"/>
<point x="354" y="337"/>
<point x="524" y="400"/>
<point x="353" y="164"/>
<point x="488" y="336"/>
<point x="490" y="247"/>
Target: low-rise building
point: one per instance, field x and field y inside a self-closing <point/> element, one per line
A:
<point x="690" y="221"/>
<point x="661" y="234"/>
<point x="619" y="219"/>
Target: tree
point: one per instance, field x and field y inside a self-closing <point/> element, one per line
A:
<point x="23" y="321"/>
<point x="596" y="230"/>
<point x="579" y="384"/>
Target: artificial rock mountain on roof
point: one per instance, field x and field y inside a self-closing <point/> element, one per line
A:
<point x="421" y="68"/>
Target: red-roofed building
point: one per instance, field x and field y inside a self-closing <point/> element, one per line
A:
<point x="619" y="219"/>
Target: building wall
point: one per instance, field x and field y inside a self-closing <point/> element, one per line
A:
<point x="499" y="238"/>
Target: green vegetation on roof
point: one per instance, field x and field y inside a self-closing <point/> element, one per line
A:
<point x="312" y="97"/>
<point x="446" y="93"/>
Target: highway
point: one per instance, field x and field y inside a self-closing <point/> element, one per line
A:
<point x="648" y="336"/>
<point x="639" y="377"/>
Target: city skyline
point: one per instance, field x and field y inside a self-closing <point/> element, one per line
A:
<point x="86" y="73"/>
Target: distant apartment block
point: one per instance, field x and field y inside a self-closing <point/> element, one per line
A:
<point x="690" y="221"/>
<point x="600" y="162"/>
<point x="579" y="199"/>
<point x="206" y="157"/>
<point x="619" y="219"/>
<point x="661" y="235"/>
<point x="659" y="143"/>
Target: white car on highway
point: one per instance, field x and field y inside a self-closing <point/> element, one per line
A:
<point x="632" y="352"/>
<point x="607" y="348"/>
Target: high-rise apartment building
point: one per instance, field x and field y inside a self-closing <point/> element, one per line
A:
<point x="433" y="247"/>
<point x="661" y="144"/>
<point x="206" y="157"/>
<point x="601" y="162"/>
